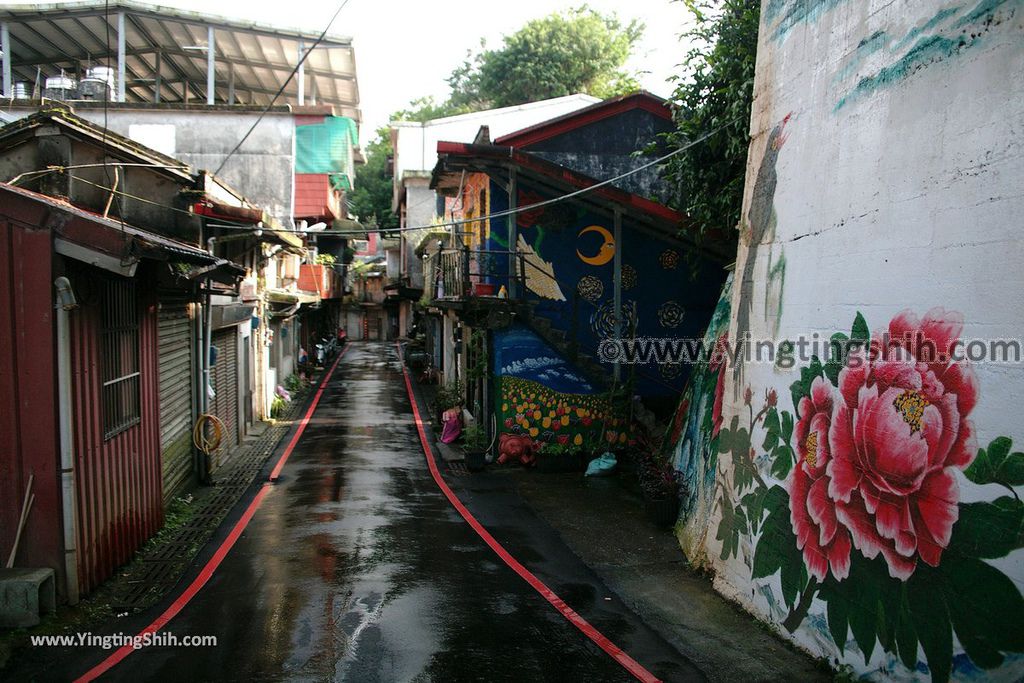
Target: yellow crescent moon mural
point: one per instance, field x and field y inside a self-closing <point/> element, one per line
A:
<point x="607" y="250"/>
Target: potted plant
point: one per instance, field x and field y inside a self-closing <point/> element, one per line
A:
<point x="448" y="396"/>
<point x="474" y="442"/>
<point x="660" y="486"/>
<point x="557" y="457"/>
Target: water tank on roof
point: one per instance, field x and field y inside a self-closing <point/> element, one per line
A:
<point x="60" y="88"/>
<point x="98" y="84"/>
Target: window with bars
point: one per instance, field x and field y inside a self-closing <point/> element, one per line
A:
<point x="119" y="348"/>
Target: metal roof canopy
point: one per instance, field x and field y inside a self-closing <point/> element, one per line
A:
<point x="161" y="55"/>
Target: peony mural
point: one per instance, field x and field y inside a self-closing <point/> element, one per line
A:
<point x="691" y="439"/>
<point x="868" y="518"/>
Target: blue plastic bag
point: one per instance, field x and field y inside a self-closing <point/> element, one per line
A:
<point x="602" y="466"/>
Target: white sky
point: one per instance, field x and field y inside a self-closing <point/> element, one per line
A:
<point x="405" y="49"/>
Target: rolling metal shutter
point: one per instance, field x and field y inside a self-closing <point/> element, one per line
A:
<point x="224" y="376"/>
<point x="174" y="339"/>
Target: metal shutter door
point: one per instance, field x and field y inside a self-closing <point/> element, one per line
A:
<point x="224" y="377"/>
<point x="174" y="340"/>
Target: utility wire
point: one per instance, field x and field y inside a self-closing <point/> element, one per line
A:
<point x="536" y="205"/>
<point x="280" y="90"/>
<point x="451" y="223"/>
<point x="57" y="169"/>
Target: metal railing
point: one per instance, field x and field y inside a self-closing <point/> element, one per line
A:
<point x="458" y="274"/>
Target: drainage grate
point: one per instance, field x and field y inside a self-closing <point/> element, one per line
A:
<point x="458" y="468"/>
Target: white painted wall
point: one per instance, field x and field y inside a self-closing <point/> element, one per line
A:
<point x="898" y="176"/>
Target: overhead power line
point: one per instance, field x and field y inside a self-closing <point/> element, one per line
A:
<point x="432" y="226"/>
<point x="540" y="204"/>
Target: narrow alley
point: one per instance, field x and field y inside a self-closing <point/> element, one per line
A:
<point x="538" y="341"/>
<point x="355" y="567"/>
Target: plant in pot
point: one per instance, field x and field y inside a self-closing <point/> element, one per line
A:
<point x="448" y="396"/>
<point x="557" y="457"/>
<point x="474" y="442"/>
<point x="661" y="486"/>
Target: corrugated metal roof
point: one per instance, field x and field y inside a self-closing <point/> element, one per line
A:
<point x="256" y="58"/>
<point x="143" y="238"/>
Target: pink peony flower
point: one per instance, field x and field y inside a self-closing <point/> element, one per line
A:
<point x="897" y="436"/>
<point x="824" y="542"/>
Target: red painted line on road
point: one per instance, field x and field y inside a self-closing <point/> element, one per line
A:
<point x="206" y="573"/>
<point x="305" y="420"/>
<point x="613" y="650"/>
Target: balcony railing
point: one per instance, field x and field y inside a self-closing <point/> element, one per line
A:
<point x="460" y="274"/>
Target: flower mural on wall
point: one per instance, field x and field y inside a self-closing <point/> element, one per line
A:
<point x="669" y="259"/>
<point x="603" y="319"/>
<point x="670" y="314"/>
<point x="590" y="288"/>
<point x="869" y="518"/>
<point x="901" y="428"/>
<point x="825" y="544"/>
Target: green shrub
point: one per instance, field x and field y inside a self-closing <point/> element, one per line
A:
<point x="277" y="406"/>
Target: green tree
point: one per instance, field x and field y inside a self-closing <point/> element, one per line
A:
<point x="715" y="88"/>
<point x="561" y="54"/>
<point x="427" y="109"/>
<point x="370" y="199"/>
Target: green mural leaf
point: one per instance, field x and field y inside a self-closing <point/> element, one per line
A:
<point x="863" y="614"/>
<point x="793" y="578"/>
<point x="839" y="347"/>
<point x="727" y="436"/>
<point x="783" y="462"/>
<point x="996" y="465"/>
<point x="802" y="387"/>
<point x="776" y="549"/>
<point x="753" y="503"/>
<point x="981" y="470"/>
<point x="815" y="370"/>
<point x="796" y="392"/>
<point x="906" y="637"/>
<point x="988" y="530"/>
<point x="985" y="606"/>
<point x="930" y="617"/>
<point x="888" y="612"/>
<point x="838" y="621"/>
<point x="998" y="449"/>
<point x="732" y="526"/>
<point x="860" y="331"/>
<point x="1011" y="472"/>
<point x="832" y="370"/>
<point x="772" y="429"/>
<point x="787" y="426"/>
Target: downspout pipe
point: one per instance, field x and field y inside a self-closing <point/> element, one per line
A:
<point x="199" y="389"/>
<point x="207" y="344"/>
<point x="64" y="303"/>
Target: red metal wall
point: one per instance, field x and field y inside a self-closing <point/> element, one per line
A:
<point x="120" y="499"/>
<point x="28" y="420"/>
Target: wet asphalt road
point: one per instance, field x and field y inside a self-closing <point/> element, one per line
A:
<point x="356" y="568"/>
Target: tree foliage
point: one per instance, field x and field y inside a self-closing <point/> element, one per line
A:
<point x="370" y="199"/>
<point x="561" y="54"/>
<point x="715" y="89"/>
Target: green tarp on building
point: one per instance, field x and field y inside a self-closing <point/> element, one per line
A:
<point x="327" y="148"/>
